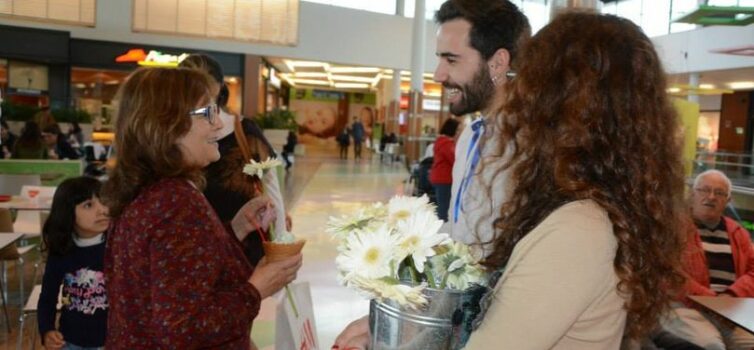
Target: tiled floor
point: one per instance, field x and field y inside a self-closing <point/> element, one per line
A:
<point x="317" y="187"/>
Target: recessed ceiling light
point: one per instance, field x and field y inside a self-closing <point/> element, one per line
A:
<point x="354" y="70"/>
<point x="310" y="82"/>
<point x="741" y="85"/>
<point x="310" y="75"/>
<point x="351" y="86"/>
<point x="706" y="86"/>
<point x="351" y="78"/>
<point x="673" y="90"/>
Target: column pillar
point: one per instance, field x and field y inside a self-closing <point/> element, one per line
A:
<point x="693" y="83"/>
<point x="418" y="43"/>
<point x="252" y="88"/>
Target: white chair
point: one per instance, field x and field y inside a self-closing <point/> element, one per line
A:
<point x="30" y="221"/>
<point x="30" y="309"/>
<point x="14" y="253"/>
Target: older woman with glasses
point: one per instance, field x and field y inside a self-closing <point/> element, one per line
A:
<point x="176" y="276"/>
<point x="239" y="140"/>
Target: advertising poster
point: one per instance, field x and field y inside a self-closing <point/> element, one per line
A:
<point x="318" y="114"/>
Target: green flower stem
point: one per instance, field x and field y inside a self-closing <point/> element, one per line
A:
<point x="444" y="281"/>
<point x="412" y="270"/>
<point x="430" y="276"/>
<point x="293" y="303"/>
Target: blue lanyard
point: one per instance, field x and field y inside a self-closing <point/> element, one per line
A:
<point x="474" y="152"/>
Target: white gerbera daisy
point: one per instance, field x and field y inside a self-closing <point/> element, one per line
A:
<point x="401" y="208"/>
<point x="258" y="168"/>
<point x="368" y="254"/>
<point x="457" y="268"/>
<point x="417" y="235"/>
<point x="382" y="289"/>
<point x="347" y="224"/>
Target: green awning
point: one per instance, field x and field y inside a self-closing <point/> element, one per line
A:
<point x="719" y="15"/>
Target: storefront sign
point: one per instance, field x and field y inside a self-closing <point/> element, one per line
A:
<point x="152" y="59"/>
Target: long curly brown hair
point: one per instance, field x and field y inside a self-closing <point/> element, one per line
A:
<point x="153" y="114"/>
<point x="587" y="117"/>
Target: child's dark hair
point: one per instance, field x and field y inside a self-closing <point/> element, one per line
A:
<point x="57" y="233"/>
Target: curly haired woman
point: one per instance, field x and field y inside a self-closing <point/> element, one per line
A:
<point x="587" y="243"/>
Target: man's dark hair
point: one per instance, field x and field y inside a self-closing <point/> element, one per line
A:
<point x="495" y="24"/>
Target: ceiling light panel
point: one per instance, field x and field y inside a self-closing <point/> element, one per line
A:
<point x="310" y="82"/>
<point x="354" y="70"/>
<point x="740" y="85"/>
<point x="351" y="78"/>
<point x="351" y="86"/>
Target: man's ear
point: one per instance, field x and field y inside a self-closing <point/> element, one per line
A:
<point x="499" y="63"/>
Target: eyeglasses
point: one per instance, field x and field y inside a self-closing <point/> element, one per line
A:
<point x="706" y="192"/>
<point x="210" y="112"/>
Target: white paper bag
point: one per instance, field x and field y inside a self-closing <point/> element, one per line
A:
<point x="296" y="332"/>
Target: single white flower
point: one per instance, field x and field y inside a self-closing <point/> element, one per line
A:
<point x="382" y="289"/>
<point x="348" y="224"/>
<point x="368" y="254"/>
<point x="258" y="168"/>
<point x="417" y="235"/>
<point x="376" y="210"/>
<point x="401" y="208"/>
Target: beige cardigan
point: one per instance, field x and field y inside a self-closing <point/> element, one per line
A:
<point x="559" y="289"/>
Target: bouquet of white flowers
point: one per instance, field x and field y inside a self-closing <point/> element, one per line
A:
<point x="394" y="252"/>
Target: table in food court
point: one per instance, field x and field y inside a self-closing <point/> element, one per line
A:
<point x="737" y="310"/>
<point x="22" y="203"/>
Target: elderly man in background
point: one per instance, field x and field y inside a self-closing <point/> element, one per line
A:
<point x="719" y="262"/>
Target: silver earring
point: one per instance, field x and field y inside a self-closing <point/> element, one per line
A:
<point x="510" y="74"/>
<point x="495" y="80"/>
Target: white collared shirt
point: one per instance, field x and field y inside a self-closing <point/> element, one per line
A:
<point x="479" y="209"/>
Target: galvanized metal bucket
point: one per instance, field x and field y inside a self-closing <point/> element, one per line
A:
<point x="436" y="326"/>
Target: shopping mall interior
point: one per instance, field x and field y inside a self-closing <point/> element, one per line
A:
<point x="316" y="66"/>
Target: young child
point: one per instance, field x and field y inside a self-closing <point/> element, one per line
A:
<point x="75" y="244"/>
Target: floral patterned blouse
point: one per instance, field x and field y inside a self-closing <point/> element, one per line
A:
<point x="176" y="278"/>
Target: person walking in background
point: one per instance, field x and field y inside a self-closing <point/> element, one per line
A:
<point x="288" y="148"/>
<point x="177" y="276"/>
<point x="74" y="240"/>
<point x="343" y="139"/>
<point x="357" y="132"/>
<point x="441" y="175"/>
<point x="30" y="144"/>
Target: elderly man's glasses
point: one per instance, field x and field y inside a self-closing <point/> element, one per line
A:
<point x="209" y="112"/>
<point x="706" y="192"/>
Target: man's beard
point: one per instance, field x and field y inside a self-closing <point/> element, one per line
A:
<point x="475" y="95"/>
